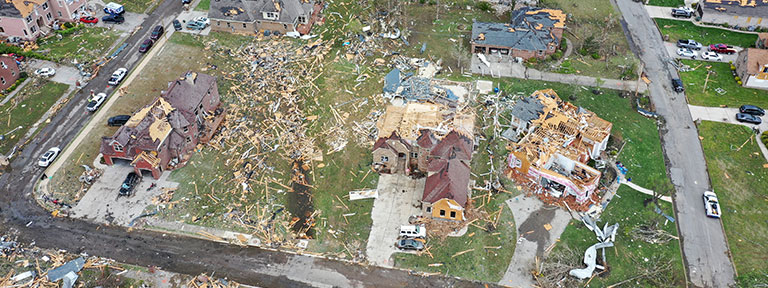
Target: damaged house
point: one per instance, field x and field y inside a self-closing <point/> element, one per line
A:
<point x="742" y="13"/>
<point x="552" y="144"/>
<point x="532" y="33"/>
<point x="28" y="20"/>
<point x="252" y="17"/>
<point x="752" y="67"/>
<point x="162" y="135"/>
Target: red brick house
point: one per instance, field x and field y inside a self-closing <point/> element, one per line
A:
<point x="162" y="135"/>
<point x="9" y="72"/>
<point x="532" y="32"/>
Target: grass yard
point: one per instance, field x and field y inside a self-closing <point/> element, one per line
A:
<point x="136" y="6"/>
<point x="667" y="3"/>
<point x="204" y="5"/>
<point x="720" y="78"/>
<point x="705" y="35"/>
<point x="740" y="181"/>
<point x="86" y="45"/>
<point x="26" y="108"/>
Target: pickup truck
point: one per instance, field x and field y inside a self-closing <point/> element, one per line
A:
<point x="722" y="49"/>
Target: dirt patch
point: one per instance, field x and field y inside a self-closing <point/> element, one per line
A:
<point x="300" y="202"/>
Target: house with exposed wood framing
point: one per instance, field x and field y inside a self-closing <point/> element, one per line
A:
<point x="531" y="33"/>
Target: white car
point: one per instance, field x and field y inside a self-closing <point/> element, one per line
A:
<point x="711" y="205"/>
<point x="710" y="55"/>
<point x="685" y="52"/>
<point x="204" y="20"/>
<point x="117" y="76"/>
<point x="48" y="157"/>
<point x="95" y="102"/>
<point x="45" y="72"/>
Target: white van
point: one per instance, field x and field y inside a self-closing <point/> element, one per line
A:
<point x="114" y="8"/>
<point x="413" y="231"/>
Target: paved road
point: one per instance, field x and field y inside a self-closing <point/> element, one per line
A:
<point x="254" y="266"/>
<point x="703" y="241"/>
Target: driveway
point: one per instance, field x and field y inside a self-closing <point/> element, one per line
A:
<point x="672" y="51"/>
<point x="399" y="197"/>
<point x="663" y="12"/>
<point x="705" y="249"/>
<point x="64" y="74"/>
<point x="187" y="16"/>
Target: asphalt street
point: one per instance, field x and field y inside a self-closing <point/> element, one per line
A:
<point x="248" y="265"/>
<point x="703" y="241"/>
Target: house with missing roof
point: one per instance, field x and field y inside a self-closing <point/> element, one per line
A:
<point x="252" y="17"/>
<point x="742" y="13"/>
<point x="531" y="33"/>
<point x="752" y="67"/>
<point x="162" y="135"/>
<point x="30" y="19"/>
<point x="559" y="139"/>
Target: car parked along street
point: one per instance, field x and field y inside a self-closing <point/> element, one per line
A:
<point x="117" y="76"/>
<point x="47" y="158"/>
<point x="146" y="45"/>
<point x="95" y="102"/>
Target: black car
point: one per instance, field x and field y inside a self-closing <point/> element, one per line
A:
<point x="157" y="32"/>
<point x="748" y="118"/>
<point x="677" y="84"/>
<point x="130" y="183"/>
<point x="176" y="25"/>
<point x="112" y="18"/>
<point x="118" y="120"/>
<point x="144" y="47"/>
<point x="752" y="109"/>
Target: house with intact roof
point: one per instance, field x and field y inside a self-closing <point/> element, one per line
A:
<point x="9" y="72"/>
<point x="252" y="17"/>
<point x="531" y="33"/>
<point x="742" y="13"/>
<point x="30" y="19"/>
<point x="752" y="67"/>
<point x="162" y="135"/>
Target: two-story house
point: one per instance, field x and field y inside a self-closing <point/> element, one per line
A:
<point x="30" y="19"/>
<point x="255" y="16"/>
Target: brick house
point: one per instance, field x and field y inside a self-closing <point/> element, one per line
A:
<point x="734" y="12"/>
<point x="9" y="72"/>
<point x="752" y="67"/>
<point x="162" y="135"/>
<point x="532" y="33"/>
<point x="252" y="17"/>
<point x="30" y="19"/>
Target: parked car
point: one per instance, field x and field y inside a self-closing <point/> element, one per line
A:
<point x="17" y="57"/>
<point x="185" y="2"/>
<point x="677" y="84"/>
<point x="157" y="32"/>
<point x="748" y="118"/>
<point x="113" y="18"/>
<point x="710" y="55"/>
<point x="685" y="52"/>
<point x="722" y="49"/>
<point x="118" y="120"/>
<point x="203" y="19"/>
<point x="752" y="109"/>
<point x="89" y="19"/>
<point x="685" y="12"/>
<point x="129" y="184"/>
<point x="194" y="25"/>
<point x="410" y="244"/>
<point x="711" y="205"/>
<point x="117" y="77"/>
<point x="413" y="231"/>
<point x="144" y="47"/>
<point x="47" y="158"/>
<point x="45" y="72"/>
<point x="114" y="8"/>
<point x="688" y="43"/>
<point x="176" y="25"/>
<point x="95" y="102"/>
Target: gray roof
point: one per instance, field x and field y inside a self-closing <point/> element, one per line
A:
<point x="528" y="108"/>
<point x="60" y="272"/>
<point x="251" y="10"/>
<point x="734" y="8"/>
<point x="7" y="9"/>
<point x="524" y="32"/>
<point x="392" y="81"/>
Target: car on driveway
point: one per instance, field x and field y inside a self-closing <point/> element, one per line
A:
<point x="144" y="47"/>
<point x="129" y="184"/>
<point x="688" y="43"/>
<point x="410" y="244"/>
<point x="677" y="84"/>
<point x="176" y="25"/>
<point x="685" y="12"/>
<point x="722" y="49"/>
<point x="111" y="18"/>
<point x="711" y="205"/>
<point x="194" y="25"/>
<point x="89" y="19"/>
<point x="203" y="19"/>
<point x="712" y="56"/>
<point x="45" y="72"/>
<point x="748" y="118"/>
<point x="118" y="76"/>
<point x="95" y="102"/>
<point x="685" y="52"/>
<point x="752" y="109"/>
<point x="157" y="32"/>
<point x="118" y="120"/>
<point x="47" y="158"/>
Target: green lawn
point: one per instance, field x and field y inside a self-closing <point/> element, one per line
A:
<point x="704" y="35"/>
<point x="667" y="3"/>
<point x="740" y="181"/>
<point x="203" y="5"/>
<point x="136" y="6"/>
<point x="26" y="108"/>
<point x="86" y="45"/>
<point x="720" y="78"/>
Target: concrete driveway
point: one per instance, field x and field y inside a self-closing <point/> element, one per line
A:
<point x="64" y="74"/>
<point x="187" y="16"/>
<point x="672" y="51"/>
<point x="399" y="197"/>
<point x="100" y="204"/>
<point x="717" y="114"/>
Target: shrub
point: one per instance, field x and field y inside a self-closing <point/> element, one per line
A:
<point x="23" y="74"/>
<point x="69" y="30"/>
<point x="595" y="55"/>
<point x="764" y="138"/>
<point x="7" y="49"/>
<point x="67" y="25"/>
<point x="645" y="101"/>
<point x="739" y="82"/>
<point x="737" y="78"/>
<point x="563" y="44"/>
<point x="693" y="5"/>
<point x="15" y="84"/>
<point x="484" y="6"/>
<point x="557" y="55"/>
<point x="733" y="67"/>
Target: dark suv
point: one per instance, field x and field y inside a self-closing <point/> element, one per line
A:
<point x="129" y="184"/>
<point x="118" y="120"/>
<point x="157" y="32"/>
<point x="677" y="84"/>
<point x="752" y="109"/>
<point x="112" y="18"/>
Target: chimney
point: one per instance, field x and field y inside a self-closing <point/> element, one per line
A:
<point x="190" y="77"/>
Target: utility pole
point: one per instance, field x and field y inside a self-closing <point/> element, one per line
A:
<point x="706" y="80"/>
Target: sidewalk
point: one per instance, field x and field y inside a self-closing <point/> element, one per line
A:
<point x="13" y="93"/>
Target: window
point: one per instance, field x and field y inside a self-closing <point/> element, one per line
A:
<point x="45" y="6"/>
<point x="186" y="129"/>
<point x="270" y="15"/>
<point x="3" y="80"/>
<point x="229" y="24"/>
<point x="189" y="139"/>
<point x="541" y="52"/>
<point x="303" y="19"/>
<point x="48" y="16"/>
<point x="442" y="212"/>
<point x="244" y="25"/>
<point x="118" y="147"/>
<point x="453" y="214"/>
<point x="59" y="13"/>
<point x="33" y="29"/>
<point x="13" y="73"/>
<point x="25" y="32"/>
<point x="218" y="23"/>
<point x="2" y="64"/>
<point x="414" y="155"/>
<point x="29" y="18"/>
<point x="384" y="159"/>
<point x="429" y="209"/>
<point x="2" y="30"/>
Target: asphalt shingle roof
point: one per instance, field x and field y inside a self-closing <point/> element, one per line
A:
<point x="529" y="29"/>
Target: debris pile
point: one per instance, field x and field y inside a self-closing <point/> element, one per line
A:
<point x="605" y="237"/>
<point x="205" y="281"/>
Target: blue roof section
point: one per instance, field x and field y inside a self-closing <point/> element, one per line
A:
<point x="526" y="31"/>
<point x="392" y="81"/>
<point x="60" y="272"/>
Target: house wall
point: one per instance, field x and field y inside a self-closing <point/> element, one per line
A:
<point x="391" y="166"/>
<point x="712" y="16"/>
<point x="442" y="205"/>
<point x="233" y="26"/>
<point x="70" y="10"/>
<point x="740" y="63"/>
<point x="9" y="72"/>
<point x="525" y="54"/>
<point x="274" y="26"/>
